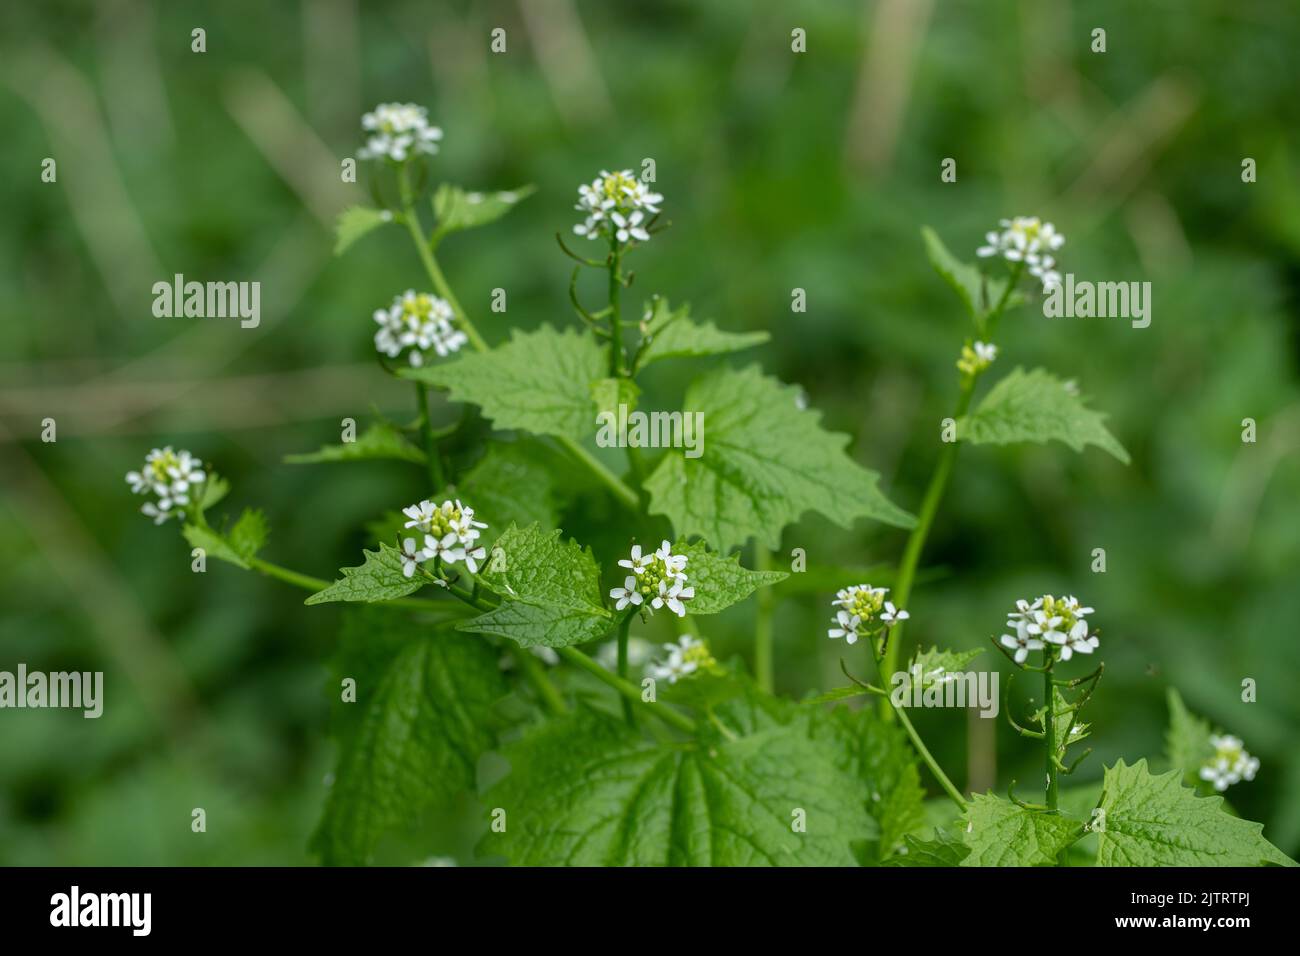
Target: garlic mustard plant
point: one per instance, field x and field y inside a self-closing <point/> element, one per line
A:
<point x="475" y="624"/>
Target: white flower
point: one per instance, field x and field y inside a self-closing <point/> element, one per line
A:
<point x="986" y="351"/>
<point x="1022" y="642"/>
<point x="635" y="563"/>
<point x="398" y="131"/>
<point x="419" y="322"/>
<point x="848" y="627"/>
<point x="627" y="594"/>
<point x="673" y="596"/>
<point x="616" y="204"/>
<point x="863" y="612"/>
<point x="1230" y="763"/>
<point x="412" y="557"/>
<point x="1079" y="642"/>
<point x="1029" y="240"/>
<point x="685" y="657"/>
<point x="449" y="532"/>
<point x="170" y="475"/>
<point x="657" y="580"/>
<point x="892" y="615"/>
<point x="1060" y="622"/>
<point x="976" y="357"/>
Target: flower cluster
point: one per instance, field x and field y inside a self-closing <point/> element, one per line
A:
<point x="1230" y="763"/>
<point x="450" y="532"/>
<point x="1029" y="240"/>
<point x="420" y="322"/>
<point x="170" y="475"/>
<point x="658" y="579"/>
<point x="976" y="358"/>
<point x="1060" y="623"/>
<point x="616" y="204"/>
<point x="398" y="131"/>
<point x="684" y="658"/>
<point x="863" y="612"/>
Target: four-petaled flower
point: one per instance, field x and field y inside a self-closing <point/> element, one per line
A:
<point x="684" y="658"/>
<point x="1230" y="763"/>
<point x="397" y="132"/>
<point x="657" y="580"/>
<point x="418" y="322"/>
<point x="615" y="204"/>
<point x="1022" y="642"/>
<point x="863" y="612"/>
<point x="1057" y="625"/>
<point x="1029" y="240"/>
<point x="171" y="476"/>
<point x="450" y="532"/>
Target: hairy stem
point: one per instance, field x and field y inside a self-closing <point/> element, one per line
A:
<point x="433" y="459"/>
<point x="616" y="485"/>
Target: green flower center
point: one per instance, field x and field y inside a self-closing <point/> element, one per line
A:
<point x="866" y="605"/>
<point x="616" y="186"/>
<point x="1059" y="607"/>
<point x="158" y="467"/>
<point x="652" y="574"/>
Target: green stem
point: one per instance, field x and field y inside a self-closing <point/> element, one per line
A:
<point x="535" y="671"/>
<point x="309" y="583"/>
<point x="934" y="495"/>
<point x="926" y="756"/>
<point x="424" y="248"/>
<point x="629" y="690"/>
<point x="763" y="624"/>
<point x="611" y="481"/>
<point x="433" y="459"/>
<point x="622" y="664"/>
<point x="615" y="311"/>
<point x="916" y="540"/>
<point x="1049" y="737"/>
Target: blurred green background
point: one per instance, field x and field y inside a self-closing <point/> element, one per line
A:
<point x="813" y="171"/>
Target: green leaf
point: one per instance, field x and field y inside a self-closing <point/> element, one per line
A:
<point x="670" y="333"/>
<point x="1001" y="833"/>
<point x="379" y="578"/>
<point x="719" y="580"/>
<point x="978" y="292"/>
<point x="945" y="849"/>
<point x="1187" y="742"/>
<point x="1037" y="406"/>
<point x="765" y="462"/>
<point x="586" y="790"/>
<point x="249" y="534"/>
<point x="538" y="381"/>
<point x="511" y="483"/>
<point x="457" y="209"/>
<point x="214" y="489"/>
<point x="425" y="719"/>
<point x="1155" y="821"/>
<point x="356" y="222"/>
<point x="213" y="543"/>
<point x="879" y="754"/>
<point x="381" y="440"/>
<point x="550" y="590"/>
